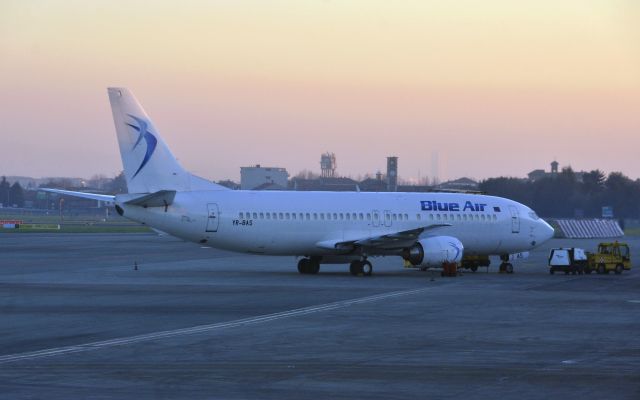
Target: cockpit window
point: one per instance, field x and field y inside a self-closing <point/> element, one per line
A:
<point x="533" y="215"/>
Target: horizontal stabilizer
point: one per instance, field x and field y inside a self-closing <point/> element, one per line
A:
<point x="82" y="195"/>
<point x="160" y="198"/>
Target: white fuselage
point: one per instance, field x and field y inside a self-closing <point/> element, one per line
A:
<point x="297" y="223"/>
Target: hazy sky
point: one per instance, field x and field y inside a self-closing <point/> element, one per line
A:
<point x="495" y="87"/>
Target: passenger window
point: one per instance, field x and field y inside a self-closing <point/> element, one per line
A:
<point x="322" y="216"/>
<point x="274" y="215"/>
<point x="293" y="216"/>
<point x="418" y="217"/>
<point x="482" y="217"/>
<point x="255" y="215"/>
<point x="268" y="216"/>
<point x="280" y="216"/>
<point x="361" y="216"/>
<point x="368" y="216"/>
<point x="287" y="216"/>
<point x="477" y="217"/>
<point x="315" y="216"/>
<point x="241" y="215"/>
<point x="444" y="217"/>
<point x="354" y="217"/>
<point x="375" y="216"/>
<point x="348" y="216"/>
<point x="395" y="217"/>
<point x="439" y="217"/>
<point x="335" y="216"/>
<point x="431" y="217"/>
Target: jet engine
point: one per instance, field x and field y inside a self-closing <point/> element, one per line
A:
<point x="434" y="251"/>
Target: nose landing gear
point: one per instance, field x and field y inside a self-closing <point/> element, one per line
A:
<point x="505" y="266"/>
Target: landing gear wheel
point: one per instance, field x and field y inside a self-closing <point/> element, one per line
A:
<point x="508" y="268"/>
<point x="303" y="265"/>
<point x="367" y="268"/>
<point x="355" y="268"/>
<point x="308" y="266"/>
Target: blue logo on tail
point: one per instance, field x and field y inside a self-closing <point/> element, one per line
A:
<point x="143" y="133"/>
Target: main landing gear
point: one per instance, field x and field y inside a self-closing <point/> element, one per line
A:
<point x="308" y="266"/>
<point x="361" y="267"/>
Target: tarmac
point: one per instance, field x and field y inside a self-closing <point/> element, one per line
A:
<point x="78" y="320"/>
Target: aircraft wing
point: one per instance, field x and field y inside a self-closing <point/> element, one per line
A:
<point x="84" y="195"/>
<point x="388" y="241"/>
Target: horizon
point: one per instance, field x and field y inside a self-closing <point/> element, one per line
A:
<point x="482" y="88"/>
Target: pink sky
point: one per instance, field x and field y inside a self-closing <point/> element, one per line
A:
<point x="494" y="87"/>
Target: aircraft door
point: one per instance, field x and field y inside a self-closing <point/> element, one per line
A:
<point x="515" y="219"/>
<point x="375" y="215"/>
<point x="213" y="217"/>
<point x="387" y="218"/>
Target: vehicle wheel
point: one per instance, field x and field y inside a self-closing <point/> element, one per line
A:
<point x="551" y="271"/>
<point x="601" y="269"/>
<point x="474" y="268"/>
<point x="313" y="267"/>
<point x="508" y="268"/>
<point x="619" y="269"/>
<point x="303" y="266"/>
<point x="355" y="267"/>
<point x="367" y="268"/>
<point x="502" y="267"/>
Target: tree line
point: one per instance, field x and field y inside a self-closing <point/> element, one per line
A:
<point x="567" y="194"/>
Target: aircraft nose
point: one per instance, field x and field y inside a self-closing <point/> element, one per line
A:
<point x="546" y="231"/>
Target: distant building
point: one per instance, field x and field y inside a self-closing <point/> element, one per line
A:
<point x="324" y="184"/>
<point x="538" y="174"/>
<point x="254" y="177"/>
<point x="461" y="184"/>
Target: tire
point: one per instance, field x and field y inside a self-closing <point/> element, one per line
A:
<point x="502" y="267"/>
<point x="367" y="268"/>
<point x="552" y="271"/>
<point x="601" y="269"/>
<point x="474" y="268"/>
<point x="619" y="269"/>
<point x="303" y="266"/>
<point x="355" y="268"/>
<point x="508" y="268"/>
<point x="313" y="267"/>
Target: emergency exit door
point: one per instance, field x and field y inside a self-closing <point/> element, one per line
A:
<point x="212" y="217"/>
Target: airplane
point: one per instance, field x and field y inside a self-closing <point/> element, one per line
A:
<point x="425" y="229"/>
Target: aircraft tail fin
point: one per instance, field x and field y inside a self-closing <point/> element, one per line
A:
<point x="149" y="165"/>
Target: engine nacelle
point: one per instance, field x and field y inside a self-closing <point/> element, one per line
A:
<point x="434" y="251"/>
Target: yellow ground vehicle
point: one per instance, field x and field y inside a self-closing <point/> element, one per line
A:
<point x="610" y="257"/>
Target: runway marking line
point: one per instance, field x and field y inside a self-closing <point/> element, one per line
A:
<point x="81" y="348"/>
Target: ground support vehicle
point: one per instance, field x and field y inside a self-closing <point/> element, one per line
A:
<point x="571" y="260"/>
<point x="610" y="257"/>
<point x="473" y="262"/>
